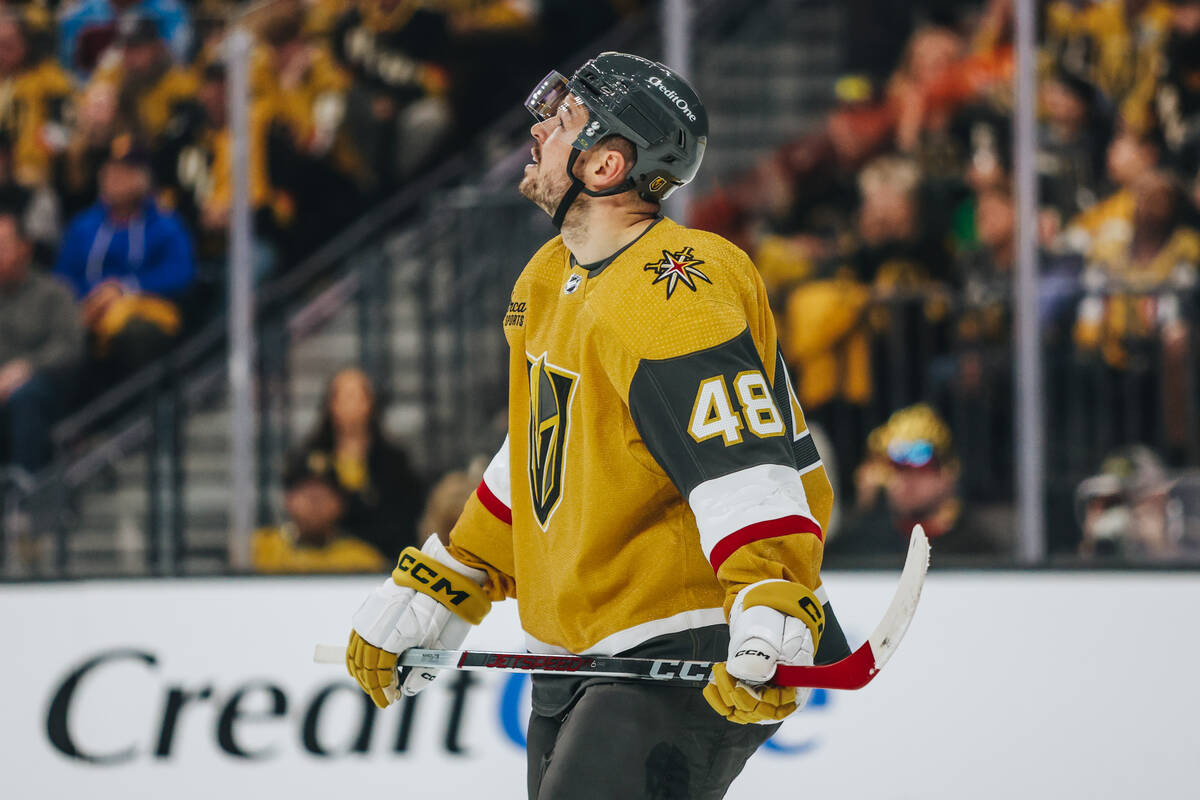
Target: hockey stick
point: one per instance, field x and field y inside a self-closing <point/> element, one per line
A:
<point x="853" y="672"/>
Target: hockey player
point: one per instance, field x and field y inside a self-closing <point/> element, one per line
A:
<point x="658" y="494"/>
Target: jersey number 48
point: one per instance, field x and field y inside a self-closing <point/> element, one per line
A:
<point x="713" y="413"/>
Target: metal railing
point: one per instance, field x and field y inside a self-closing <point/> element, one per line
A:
<point x="1126" y="377"/>
<point x="452" y="247"/>
<point x="465" y="274"/>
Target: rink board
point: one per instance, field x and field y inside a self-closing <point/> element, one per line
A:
<point x="1009" y="685"/>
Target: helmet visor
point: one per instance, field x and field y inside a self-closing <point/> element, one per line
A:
<point x="547" y="96"/>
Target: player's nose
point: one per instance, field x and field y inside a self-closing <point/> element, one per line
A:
<point x="538" y="130"/>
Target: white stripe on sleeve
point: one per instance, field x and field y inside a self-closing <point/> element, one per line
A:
<point x="756" y="494"/>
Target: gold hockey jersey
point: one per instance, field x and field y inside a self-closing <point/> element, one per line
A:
<point x="657" y="459"/>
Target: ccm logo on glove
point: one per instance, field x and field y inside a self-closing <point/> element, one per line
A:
<point x="419" y="569"/>
<point x="812" y="608"/>
<point x="457" y="592"/>
<point x="758" y="653"/>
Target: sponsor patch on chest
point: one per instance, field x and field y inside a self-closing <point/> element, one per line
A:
<point x="515" y="318"/>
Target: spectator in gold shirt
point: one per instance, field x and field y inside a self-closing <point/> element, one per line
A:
<point x="34" y="93"/>
<point x="198" y="155"/>
<point x="1117" y="45"/>
<point x="150" y="86"/>
<point x="1139" y="282"/>
<point x="1130" y="156"/>
<point x="313" y="154"/>
<point x="311" y="540"/>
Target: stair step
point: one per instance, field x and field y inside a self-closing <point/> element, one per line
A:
<point x="768" y="81"/>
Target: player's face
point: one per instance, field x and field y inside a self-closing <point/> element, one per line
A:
<point x="546" y="180"/>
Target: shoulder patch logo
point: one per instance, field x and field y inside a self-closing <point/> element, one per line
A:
<point x="675" y="268"/>
<point x="572" y="283"/>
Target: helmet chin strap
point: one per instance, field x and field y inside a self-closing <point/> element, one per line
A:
<point x="577" y="187"/>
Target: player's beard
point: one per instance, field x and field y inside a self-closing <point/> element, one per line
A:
<point x="545" y="187"/>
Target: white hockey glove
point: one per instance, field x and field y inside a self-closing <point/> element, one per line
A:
<point x="431" y="600"/>
<point x="771" y="622"/>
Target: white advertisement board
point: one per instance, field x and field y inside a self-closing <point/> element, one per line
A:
<point x="1009" y="685"/>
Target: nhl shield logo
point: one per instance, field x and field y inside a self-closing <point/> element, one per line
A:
<point x="551" y="389"/>
<point x="573" y="283"/>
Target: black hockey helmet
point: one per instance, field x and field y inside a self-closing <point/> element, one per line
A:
<point x="641" y="100"/>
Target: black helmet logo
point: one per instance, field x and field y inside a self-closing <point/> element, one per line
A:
<point x="658" y="183"/>
<point x="672" y="95"/>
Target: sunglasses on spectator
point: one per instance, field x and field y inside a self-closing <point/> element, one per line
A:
<point x="914" y="453"/>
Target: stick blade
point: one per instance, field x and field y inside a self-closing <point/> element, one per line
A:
<point x="891" y="629"/>
<point x="860" y="667"/>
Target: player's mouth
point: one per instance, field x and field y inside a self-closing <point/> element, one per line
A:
<point x="535" y="155"/>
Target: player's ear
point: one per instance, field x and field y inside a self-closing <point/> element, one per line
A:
<point x="606" y="168"/>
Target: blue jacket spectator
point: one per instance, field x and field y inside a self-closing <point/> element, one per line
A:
<point x="150" y="252"/>
<point x="128" y="262"/>
<point x="88" y="27"/>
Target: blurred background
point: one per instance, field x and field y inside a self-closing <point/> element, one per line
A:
<point x="254" y="260"/>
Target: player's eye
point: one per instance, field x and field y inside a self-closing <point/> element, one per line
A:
<point x="565" y="112"/>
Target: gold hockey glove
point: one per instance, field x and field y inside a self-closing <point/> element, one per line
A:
<point x="742" y="703"/>
<point x="431" y="600"/>
<point x="770" y="622"/>
<point x="374" y="669"/>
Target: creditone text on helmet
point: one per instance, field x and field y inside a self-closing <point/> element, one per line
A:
<point x="674" y="97"/>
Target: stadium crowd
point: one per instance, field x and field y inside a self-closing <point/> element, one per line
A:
<point x="886" y="238"/>
<point x="352" y="500"/>
<point x="115" y="158"/>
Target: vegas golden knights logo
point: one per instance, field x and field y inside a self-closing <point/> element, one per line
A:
<point x="550" y="391"/>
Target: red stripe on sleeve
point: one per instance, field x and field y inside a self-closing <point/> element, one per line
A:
<point x="493" y="504"/>
<point x="767" y="529"/>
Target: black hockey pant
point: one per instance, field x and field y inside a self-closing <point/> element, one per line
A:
<point x="625" y="741"/>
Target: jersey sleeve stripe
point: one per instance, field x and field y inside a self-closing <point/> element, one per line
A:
<point x="497" y="477"/>
<point x="768" y="529"/>
<point x="805" y="450"/>
<point x="737" y="502"/>
<point x="811" y="467"/>
<point x="493" y="504"/>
